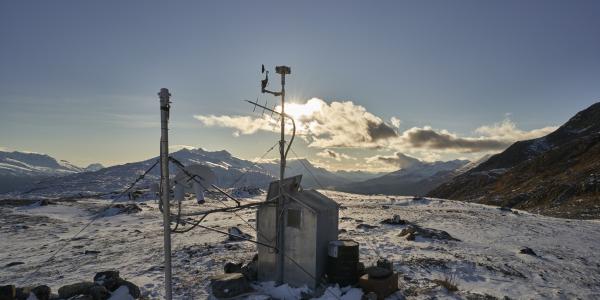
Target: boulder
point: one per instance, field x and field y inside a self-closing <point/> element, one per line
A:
<point x="231" y="267"/>
<point x="81" y="288"/>
<point x="229" y="285"/>
<point x="22" y="293"/>
<point x="134" y="290"/>
<point x="527" y="251"/>
<point x="108" y="279"/>
<point x="395" y="220"/>
<point x="250" y="270"/>
<point x="99" y="292"/>
<point x="236" y="234"/>
<point x="42" y="292"/>
<point x="8" y="292"/>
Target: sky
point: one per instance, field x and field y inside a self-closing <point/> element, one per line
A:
<point x="372" y="84"/>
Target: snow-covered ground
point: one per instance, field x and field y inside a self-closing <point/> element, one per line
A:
<point x="486" y="260"/>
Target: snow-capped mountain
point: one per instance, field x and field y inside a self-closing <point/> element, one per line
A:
<point x="558" y="174"/>
<point x="18" y="169"/>
<point x="33" y="164"/>
<point x="417" y="178"/>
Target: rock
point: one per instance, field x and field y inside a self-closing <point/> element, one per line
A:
<point x="45" y="202"/>
<point x="237" y="235"/>
<point x="22" y="293"/>
<point x="342" y="231"/>
<point x="407" y="231"/>
<point x="250" y="270"/>
<point x="360" y="269"/>
<point x="99" y="292"/>
<point x="127" y="208"/>
<point x="7" y="292"/>
<point x="108" y="279"/>
<point x="365" y="226"/>
<point x="527" y="251"/>
<point x="81" y="297"/>
<point x="229" y="285"/>
<point x="231" y="267"/>
<point x="42" y="292"/>
<point x="14" y="263"/>
<point x="395" y="220"/>
<point x="369" y="296"/>
<point x="91" y="252"/>
<point x="413" y="230"/>
<point x="81" y="288"/>
<point x="134" y="290"/>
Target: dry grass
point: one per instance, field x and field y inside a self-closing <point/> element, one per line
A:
<point x="448" y="282"/>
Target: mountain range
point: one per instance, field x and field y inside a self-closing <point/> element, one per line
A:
<point x="558" y="174"/>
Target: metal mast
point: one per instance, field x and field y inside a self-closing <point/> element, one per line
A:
<point x="164" y="180"/>
<point x="281" y="215"/>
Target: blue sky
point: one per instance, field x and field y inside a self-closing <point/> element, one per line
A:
<point x="78" y="80"/>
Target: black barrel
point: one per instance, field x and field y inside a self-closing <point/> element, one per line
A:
<point x="342" y="262"/>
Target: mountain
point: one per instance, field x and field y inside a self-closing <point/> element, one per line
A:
<point x="93" y="167"/>
<point x="558" y="174"/>
<point x="417" y="178"/>
<point x="356" y="176"/>
<point x="230" y="172"/>
<point x="312" y="176"/>
<point x="18" y="169"/>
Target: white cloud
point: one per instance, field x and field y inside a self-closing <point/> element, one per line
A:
<point x="321" y="124"/>
<point x="179" y="147"/>
<point x="507" y="130"/>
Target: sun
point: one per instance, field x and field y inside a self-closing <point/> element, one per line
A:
<point x="300" y="110"/>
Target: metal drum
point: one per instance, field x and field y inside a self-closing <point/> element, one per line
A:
<point x="342" y="262"/>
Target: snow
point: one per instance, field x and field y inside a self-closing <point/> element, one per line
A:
<point x="121" y="293"/>
<point x="486" y="260"/>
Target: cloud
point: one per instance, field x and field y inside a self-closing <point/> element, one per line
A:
<point x="428" y="138"/>
<point x="398" y="160"/>
<point x="344" y="124"/>
<point x="241" y="124"/>
<point x="321" y="124"/>
<point x="507" y="130"/>
<point x="327" y="153"/>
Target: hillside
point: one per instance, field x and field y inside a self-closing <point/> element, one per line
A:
<point x="558" y="174"/>
<point x="485" y="258"/>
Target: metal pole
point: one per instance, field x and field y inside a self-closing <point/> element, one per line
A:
<point x="281" y="200"/>
<point x="164" y="179"/>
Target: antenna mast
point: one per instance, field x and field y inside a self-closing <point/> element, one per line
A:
<point x="280" y="221"/>
<point x="165" y="105"/>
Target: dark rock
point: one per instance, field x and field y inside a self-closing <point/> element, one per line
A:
<point x="81" y="288"/>
<point x="235" y="234"/>
<point x="527" y="251"/>
<point x="134" y="290"/>
<point x="127" y="208"/>
<point x="430" y="233"/>
<point x="45" y="202"/>
<point x="108" y="279"/>
<point x="360" y="269"/>
<point x="229" y="285"/>
<point x="14" y="263"/>
<point x="22" y="293"/>
<point x="231" y="267"/>
<point x="395" y="220"/>
<point x="7" y="292"/>
<point x="365" y="226"/>
<point x="250" y="270"/>
<point x="342" y="231"/>
<point x="42" y="292"/>
<point x="369" y="296"/>
<point x="91" y="252"/>
<point x="99" y="292"/>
